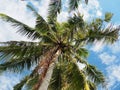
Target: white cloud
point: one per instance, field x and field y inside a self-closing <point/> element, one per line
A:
<point x="115" y="48"/>
<point x="91" y="10"/>
<point x="107" y="59"/>
<point x="20" y="13"/>
<point x="43" y="8"/>
<point x="63" y="16"/>
<point x="113" y="72"/>
<point x="8" y="80"/>
<point x="8" y="33"/>
<point x="99" y="13"/>
<point x="98" y="46"/>
<point x="16" y="9"/>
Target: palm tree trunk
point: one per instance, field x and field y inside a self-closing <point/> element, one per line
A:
<point x="47" y="78"/>
<point x="45" y="69"/>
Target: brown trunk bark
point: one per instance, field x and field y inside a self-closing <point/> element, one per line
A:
<point x="46" y="81"/>
<point x="44" y="65"/>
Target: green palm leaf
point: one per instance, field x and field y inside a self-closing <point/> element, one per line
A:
<point x="109" y="35"/>
<point x="22" y="28"/>
<point x="54" y="9"/>
<point x="33" y="10"/>
<point x="95" y="75"/>
<point x="21" y="55"/>
<point x="19" y="48"/>
<point x="86" y="1"/>
<point x="108" y="16"/>
<point x="82" y="52"/>
<point x="92" y="86"/>
<point x="21" y="84"/>
<point x="41" y="25"/>
<point x="56" y="79"/>
<point x="74" y="4"/>
<point x="19" y="64"/>
<point x="74" y="77"/>
<point x="77" y="22"/>
<point x="31" y="82"/>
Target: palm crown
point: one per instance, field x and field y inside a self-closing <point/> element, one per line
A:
<point x="61" y="45"/>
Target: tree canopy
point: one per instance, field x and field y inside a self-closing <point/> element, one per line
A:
<point x="62" y="44"/>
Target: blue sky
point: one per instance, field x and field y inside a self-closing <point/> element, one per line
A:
<point x="105" y="57"/>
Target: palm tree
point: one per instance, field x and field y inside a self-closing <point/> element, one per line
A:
<point x="57" y="53"/>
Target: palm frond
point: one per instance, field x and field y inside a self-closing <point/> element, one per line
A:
<point x="74" y="77"/>
<point x="22" y="28"/>
<point x="77" y="27"/>
<point x="76" y="21"/>
<point x="92" y="86"/>
<point x="28" y="81"/>
<point x="33" y="10"/>
<point x="108" y="17"/>
<point x="109" y="34"/>
<point x="56" y="79"/>
<point x="19" y="48"/>
<point x="41" y="25"/>
<point x="82" y="52"/>
<point x="86" y="1"/>
<point x="95" y="75"/>
<point x="31" y="82"/>
<point x="86" y="86"/>
<point x="46" y="30"/>
<point x="73" y="4"/>
<point x="79" y="57"/>
<point x="54" y="9"/>
<point x="20" y="55"/>
<point x="19" y="64"/>
<point x="96" y="24"/>
<point x="20" y="85"/>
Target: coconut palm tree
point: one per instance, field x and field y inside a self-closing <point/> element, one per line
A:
<point x="56" y="55"/>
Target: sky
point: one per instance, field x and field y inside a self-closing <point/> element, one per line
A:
<point x="105" y="57"/>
